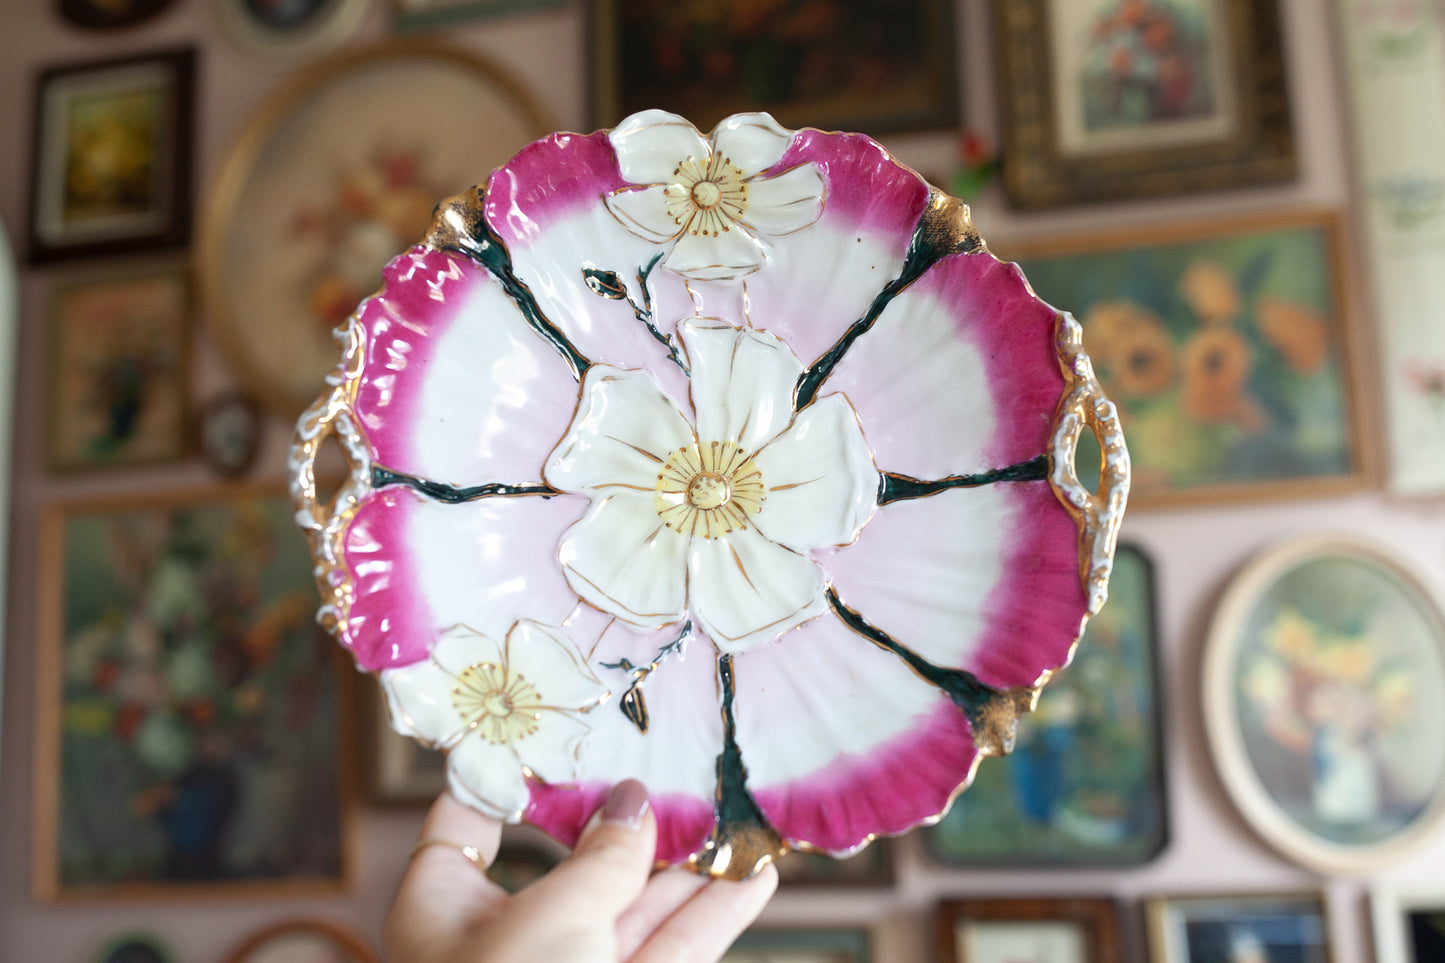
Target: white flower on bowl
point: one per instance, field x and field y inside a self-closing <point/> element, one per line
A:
<point x="711" y="199"/>
<point x="498" y="709"/>
<point x="715" y="519"/>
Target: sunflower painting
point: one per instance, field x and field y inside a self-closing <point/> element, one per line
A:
<point x="1223" y="345"/>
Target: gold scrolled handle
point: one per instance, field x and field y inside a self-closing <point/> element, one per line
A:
<point x="324" y="520"/>
<point x="1099" y="513"/>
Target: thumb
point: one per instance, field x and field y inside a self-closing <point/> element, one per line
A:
<point x="611" y="863"/>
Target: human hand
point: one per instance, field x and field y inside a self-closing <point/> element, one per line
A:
<point x="603" y="904"/>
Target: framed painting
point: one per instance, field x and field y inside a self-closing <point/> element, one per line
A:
<point x="816" y="945"/>
<point x="834" y="64"/>
<point x="111" y="165"/>
<point x="1034" y="930"/>
<point x="1409" y="922"/>
<point x="191" y="716"/>
<point x="1227" y="348"/>
<point x="1324" y="700"/>
<point x="330" y="179"/>
<point x="1205" y="929"/>
<point x="291" y="30"/>
<point x="118" y="390"/>
<point x="1393" y="66"/>
<point x="1111" y="99"/>
<point x="1084" y="784"/>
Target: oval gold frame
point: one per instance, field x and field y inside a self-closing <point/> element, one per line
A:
<point x="227" y="190"/>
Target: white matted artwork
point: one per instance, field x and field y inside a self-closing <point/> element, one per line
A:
<point x="1394" y="57"/>
<point x="1123" y="82"/>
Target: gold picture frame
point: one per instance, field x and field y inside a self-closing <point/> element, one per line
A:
<point x="333" y="176"/>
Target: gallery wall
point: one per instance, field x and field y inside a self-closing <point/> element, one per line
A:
<point x="1195" y="548"/>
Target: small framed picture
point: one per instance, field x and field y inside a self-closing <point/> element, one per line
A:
<point x="817" y="945"/>
<point x="1206" y="929"/>
<point x="292" y="30"/>
<point x="1409" y="922"/>
<point x="118" y="365"/>
<point x="1324" y="700"/>
<point x="111" y="165"/>
<point x="1228" y="347"/>
<point x="229" y="430"/>
<point x="1084" y="785"/>
<point x="1112" y="99"/>
<point x="1034" y="930"/>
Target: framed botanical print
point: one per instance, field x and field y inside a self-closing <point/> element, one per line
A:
<point x="1324" y="700"/>
<point x="1084" y="784"/>
<point x="1228" y="348"/>
<point x="837" y="64"/>
<point x="1110" y="99"/>
<point x="111" y="165"/>
<point x="1238" y="926"/>
<point x="1393" y="65"/>
<point x="118" y="392"/>
<point x="191" y="718"/>
<point x="1032" y="930"/>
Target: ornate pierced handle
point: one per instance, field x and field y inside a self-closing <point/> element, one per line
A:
<point x="324" y="520"/>
<point x="1099" y="513"/>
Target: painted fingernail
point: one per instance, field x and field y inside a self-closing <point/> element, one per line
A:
<point x="626" y="804"/>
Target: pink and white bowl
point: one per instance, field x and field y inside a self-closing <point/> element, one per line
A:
<point x="735" y="464"/>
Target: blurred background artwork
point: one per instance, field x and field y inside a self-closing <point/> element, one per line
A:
<point x="1224" y="345"/>
<point x="195" y="706"/>
<point x="1085" y="782"/>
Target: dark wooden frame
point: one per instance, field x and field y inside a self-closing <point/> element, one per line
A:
<point x="1038" y="174"/>
<point x="172" y="151"/>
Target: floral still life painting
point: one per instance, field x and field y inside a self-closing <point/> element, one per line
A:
<point x="192" y="703"/>
<point x="1323" y="681"/>
<point x="733" y="463"/>
<point x="1224" y="346"/>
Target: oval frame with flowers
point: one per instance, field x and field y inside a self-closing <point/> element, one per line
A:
<point x="735" y="464"/>
<point x="1324" y="698"/>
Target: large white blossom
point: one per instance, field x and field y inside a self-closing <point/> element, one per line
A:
<point x="713" y="520"/>
<point x="710" y="199"/>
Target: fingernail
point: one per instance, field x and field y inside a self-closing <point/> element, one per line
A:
<point x="626" y="804"/>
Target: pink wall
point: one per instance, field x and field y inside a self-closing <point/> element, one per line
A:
<point x="1194" y="550"/>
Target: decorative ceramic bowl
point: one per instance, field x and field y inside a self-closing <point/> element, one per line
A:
<point x="735" y="464"/>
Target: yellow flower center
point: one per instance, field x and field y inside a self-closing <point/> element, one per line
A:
<point x="500" y="708"/>
<point x="708" y="490"/>
<point x="708" y="196"/>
